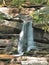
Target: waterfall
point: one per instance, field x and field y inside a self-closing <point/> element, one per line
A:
<point x="26" y="42"/>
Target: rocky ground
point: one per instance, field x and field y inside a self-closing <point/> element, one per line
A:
<point x="26" y="60"/>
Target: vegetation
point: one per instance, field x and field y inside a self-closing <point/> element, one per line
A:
<point x="37" y="1"/>
<point x="42" y="17"/>
<point x="17" y="2"/>
<point x="32" y="1"/>
<point x="20" y="2"/>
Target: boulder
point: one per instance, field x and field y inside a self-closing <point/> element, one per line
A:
<point x="35" y="61"/>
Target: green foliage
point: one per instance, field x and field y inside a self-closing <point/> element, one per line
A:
<point x="42" y="17"/>
<point x="37" y="1"/>
<point x="20" y="2"/>
<point x="1" y="17"/>
<point x="17" y="2"/>
<point x="47" y="2"/>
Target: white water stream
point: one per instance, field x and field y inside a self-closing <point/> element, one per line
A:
<point x="26" y="42"/>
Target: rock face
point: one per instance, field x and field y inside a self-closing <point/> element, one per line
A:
<point x="8" y="24"/>
<point x="41" y="36"/>
<point x="35" y="61"/>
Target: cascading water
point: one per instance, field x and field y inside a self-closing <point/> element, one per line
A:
<point x="26" y="42"/>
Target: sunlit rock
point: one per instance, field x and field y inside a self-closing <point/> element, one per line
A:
<point x="35" y="61"/>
